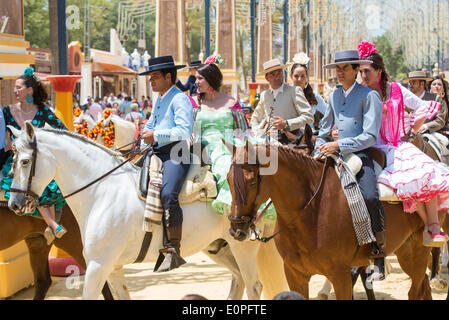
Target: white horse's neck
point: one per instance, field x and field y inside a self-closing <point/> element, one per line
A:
<point x="78" y="161"/>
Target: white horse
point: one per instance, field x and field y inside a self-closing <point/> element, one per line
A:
<point x="110" y="214"/>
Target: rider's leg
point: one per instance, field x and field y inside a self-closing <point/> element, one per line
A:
<point x="368" y="186"/>
<point x="48" y="214"/>
<point x="429" y="213"/>
<point x="173" y="177"/>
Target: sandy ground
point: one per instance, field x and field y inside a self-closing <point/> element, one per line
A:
<point x="201" y="276"/>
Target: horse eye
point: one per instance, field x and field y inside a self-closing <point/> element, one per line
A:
<point x="25" y="162"/>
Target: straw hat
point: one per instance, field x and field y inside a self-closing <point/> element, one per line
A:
<point x="417" y="75"/>
<point x="273" y="65"/>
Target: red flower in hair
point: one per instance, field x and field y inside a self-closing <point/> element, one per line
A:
<point x="366" y="49"/>
<point x="211" y="59"/>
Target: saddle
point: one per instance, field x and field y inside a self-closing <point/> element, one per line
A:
<point x="200" y="183"/>
<point x="439" y="143"/>
<point x="355" y="164"/>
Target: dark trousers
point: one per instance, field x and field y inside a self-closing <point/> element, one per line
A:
<point x="176" y="163"/>
<point x="368" y="187"/>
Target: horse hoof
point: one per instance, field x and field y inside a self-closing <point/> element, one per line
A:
<point x="323" y="296"/>
<point x="438" y="284"/>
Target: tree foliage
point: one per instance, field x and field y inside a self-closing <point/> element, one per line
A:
<point x="393" y="58"/>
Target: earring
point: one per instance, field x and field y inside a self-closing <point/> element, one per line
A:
<point x="29" y="98"/>
<point x="211" y="91"/>
<point x="442" y="94"/>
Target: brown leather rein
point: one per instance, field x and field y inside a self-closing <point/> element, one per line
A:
<point x="30" y="195"/>
<point x="251" y="219"/>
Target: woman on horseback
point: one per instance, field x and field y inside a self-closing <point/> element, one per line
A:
<point x="31" y="97"/>
<point x="418" y="180"/>
<point x="219" y="116"/>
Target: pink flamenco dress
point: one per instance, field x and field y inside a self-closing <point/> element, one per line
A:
<point x="413" y="174"/>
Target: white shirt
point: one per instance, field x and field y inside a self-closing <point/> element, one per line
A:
<point x="423" y="93"/>
<point x="275" y="92"/>
<point x="347" y="92"/>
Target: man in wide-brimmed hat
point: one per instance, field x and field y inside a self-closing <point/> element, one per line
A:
<point x="282" y="109"/>
<point x="170" y="126"/>
<point x="190" y="84"/>
<point x="417" y="81"/>
<point x="356" y="111"/>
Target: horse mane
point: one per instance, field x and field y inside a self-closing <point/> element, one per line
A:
<point x="296" y="157"/>
<point x="84" y="139"/>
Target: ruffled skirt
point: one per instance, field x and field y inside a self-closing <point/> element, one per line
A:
<point x="415" y="176"/>
<point x="52" y="190"/>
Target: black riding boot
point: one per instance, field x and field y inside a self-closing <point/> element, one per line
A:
<point x="378" y="253"/>
<point x="172" y="251"/>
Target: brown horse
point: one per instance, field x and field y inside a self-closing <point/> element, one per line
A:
<point x="320" y="238"/>
<point x="14" y="229"/>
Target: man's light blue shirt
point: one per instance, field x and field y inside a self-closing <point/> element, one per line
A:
<point x="2" y="129"/>
<point x="171" y="118"/>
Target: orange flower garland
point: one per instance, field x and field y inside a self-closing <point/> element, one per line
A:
<point x="80" y="127"/>
<point x="108" y="133"/>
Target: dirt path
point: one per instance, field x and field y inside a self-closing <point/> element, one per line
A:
<point x="200" y="275"/>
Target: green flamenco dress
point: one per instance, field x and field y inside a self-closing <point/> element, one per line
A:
<point x="228" y="124"/>
<point x="44" y="115"/>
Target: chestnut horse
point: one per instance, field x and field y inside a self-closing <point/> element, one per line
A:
<point x="14" y="229"/>
<point x="314" y="232"/>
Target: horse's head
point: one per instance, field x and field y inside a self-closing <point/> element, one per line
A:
<point x="244" y="178"/>
<point x="28" y="182"/>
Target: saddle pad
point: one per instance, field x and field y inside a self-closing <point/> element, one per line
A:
<point x="438" y="142"/>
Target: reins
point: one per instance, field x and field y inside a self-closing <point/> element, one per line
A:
<point x="49" y="202"/>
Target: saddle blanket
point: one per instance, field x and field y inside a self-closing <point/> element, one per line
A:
<point x="200" y="185"/>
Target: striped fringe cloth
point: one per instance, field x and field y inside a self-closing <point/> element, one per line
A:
<point x="360" y="215"/>
<point x="153" y="205"/>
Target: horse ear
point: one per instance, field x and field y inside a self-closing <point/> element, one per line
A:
<point x="308" y="134"/>
<point x="229" y="146"/>
<point x="15" y="132"/>
<point x="47" y="126"/>
<point x="29" y="130"/>
<point x="251" y="149"/>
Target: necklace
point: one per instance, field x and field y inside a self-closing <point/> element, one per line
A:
<point x="26" y="113"/>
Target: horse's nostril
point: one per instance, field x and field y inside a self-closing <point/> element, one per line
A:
<point x="240" y="235"/>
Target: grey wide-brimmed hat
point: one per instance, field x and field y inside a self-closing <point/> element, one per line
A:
<point x="347" y="57"/>
<point x="417" y="75"/>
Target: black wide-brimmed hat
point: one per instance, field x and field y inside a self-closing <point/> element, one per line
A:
<point x="347" y="57"/>
<point x="160" y="63"/>
<point x="194" y="64"/>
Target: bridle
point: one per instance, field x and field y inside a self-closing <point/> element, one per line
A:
<point x="252" y="218"/>
<point x="31" y="196"/>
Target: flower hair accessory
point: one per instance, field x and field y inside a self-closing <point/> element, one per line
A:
<point x="301" y="58"/>
<point x="215" y="58"/>
<point x="29" y="72"/>
<point x="366" y="49"/>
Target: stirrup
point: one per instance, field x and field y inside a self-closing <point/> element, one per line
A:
<point x="170" y="261"/>
<point x="49" y="235"/>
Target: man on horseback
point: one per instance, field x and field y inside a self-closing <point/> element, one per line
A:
<point x="282" y="109"/>
<point x="356" y="112"/>
<point x="167" y="130"/>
